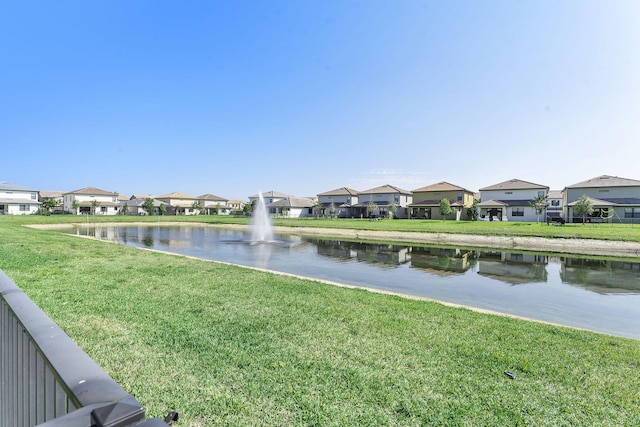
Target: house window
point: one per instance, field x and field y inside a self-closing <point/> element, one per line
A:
<point x="460" y="196"/>
<point x="517" y="212"/>
<point x="603" y="191"/>
<point x="34" y="196"/>
<point x="555" y="203"/>
<point x="113" y="199"/>
<point x="396" y="199"/>
<point x="632" y="212"/>
<point x="103" y="209"/>
<point x="310" y="211"/>
<point x="541" y="194"/>
<point x="24" y="208"/>
<point x="508" y="192"/>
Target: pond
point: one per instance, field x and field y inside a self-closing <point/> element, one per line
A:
<point x="601" y="294"/>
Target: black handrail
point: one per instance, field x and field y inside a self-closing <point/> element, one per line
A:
<point x="47" y="380"/>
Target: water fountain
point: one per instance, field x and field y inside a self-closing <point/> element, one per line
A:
<point x="261" y="227"/>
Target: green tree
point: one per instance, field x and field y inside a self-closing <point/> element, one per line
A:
<point x="539" y="204"/>
<point x="371" y="208"/>
<point x="125" y="209"/>
<point x="49" y="204"/>
<point x="583" y="207"/>
<point x="147" y="205"/>
<point x="332" y="209"/>
<point x="197" y="206"/>
<point x="393" y="207"/>
<point x="445" y="208"/>
<point x="473" y="212"/>
<point x="94" y="206"/>
<point x="75" y="205"/>
<point x="162" y="208"/>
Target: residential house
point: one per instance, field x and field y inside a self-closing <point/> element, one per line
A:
<point x="614" y="199"/>
<point x="17" y="199"/>
<point x="214" y="205"/>
<point x="379" y="201"/>
<point x="183" y="203"/>
<point x="554" y="210"/>
<point x="511" y="201"/>
<point x="134" y="207"/>
<point x="293" y="207"/>
<point x="91" y="200"/>
<point x="338" y="202"/>
<point x="237" y="206"/>
<point x="269" y="197"/>
<point x="426" y="201"/>
<point x="57" y="198"/>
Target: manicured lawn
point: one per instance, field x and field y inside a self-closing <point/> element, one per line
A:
<point x="226" y="345"/>
<point x="622" y="232"/>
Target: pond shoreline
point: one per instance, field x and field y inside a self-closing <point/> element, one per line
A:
<point x="539" y="244"/>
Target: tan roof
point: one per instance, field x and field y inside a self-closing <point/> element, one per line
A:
<point x="176" y="195"/>
<point x="606" y="181"/>
<point x="514" y="184"/>
<point x="385" y="189"/>
<point x="342" y="191"/>
<point x="554" y="194"/>
<point x="442" y="186"/>
<point x="50" y="194"/>
<point x="93" y="191"/>
<point x="211" y="197"/>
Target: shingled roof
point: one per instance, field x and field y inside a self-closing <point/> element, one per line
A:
<point x="606" y="181"/>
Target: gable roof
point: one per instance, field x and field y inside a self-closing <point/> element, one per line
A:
<point x="293" y="202"/>
<point x="93" y="191"/>
<point x="176" y="195"/>
<point x="272" y="194"/>
<point x="514" y="184"/>
<point x="606" y="181"/>
<point x="342" y="191"/>
<point x="385" y="189"/>
<point x="212" y="197"/>
<point x="441" y="186"/>
<point x="9" y="186"/>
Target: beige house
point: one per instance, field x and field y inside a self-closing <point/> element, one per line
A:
<point x="614" y="199"/>
<point x="426" y="201"/>
<point x="183" y="203"/>
<point x="91" y="200"/>
<point x="214" y="205"/>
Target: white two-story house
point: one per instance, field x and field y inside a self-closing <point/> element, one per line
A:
<point x="269" y="197"/>
<point x="338" y="202"/>
<point x="17" y="199"/>
<point x="91" y="200"/>
<point x="511" y="201"/>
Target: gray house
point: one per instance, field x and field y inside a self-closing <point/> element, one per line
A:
<point x="614" y="199"/>
<point x="338" y="202"/>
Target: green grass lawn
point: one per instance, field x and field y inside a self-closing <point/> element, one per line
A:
<point x="622" y="232"/>
<point x="227" y="345"/>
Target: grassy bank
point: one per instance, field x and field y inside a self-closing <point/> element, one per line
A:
<point x="619" y="232"/>
<point x="230" y="346"/>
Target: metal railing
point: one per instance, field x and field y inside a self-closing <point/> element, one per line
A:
<point x="47" y="380"/>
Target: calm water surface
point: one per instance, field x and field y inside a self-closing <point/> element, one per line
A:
<point x="599" y="295"/>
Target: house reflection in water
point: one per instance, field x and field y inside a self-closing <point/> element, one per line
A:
<point x="443" y="261"/>
<point x="513" y="267"/>
<point x="381" y="254"/>
<point x="603" y="276"/>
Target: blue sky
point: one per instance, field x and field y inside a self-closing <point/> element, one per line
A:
<point x="302" y="97"/>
